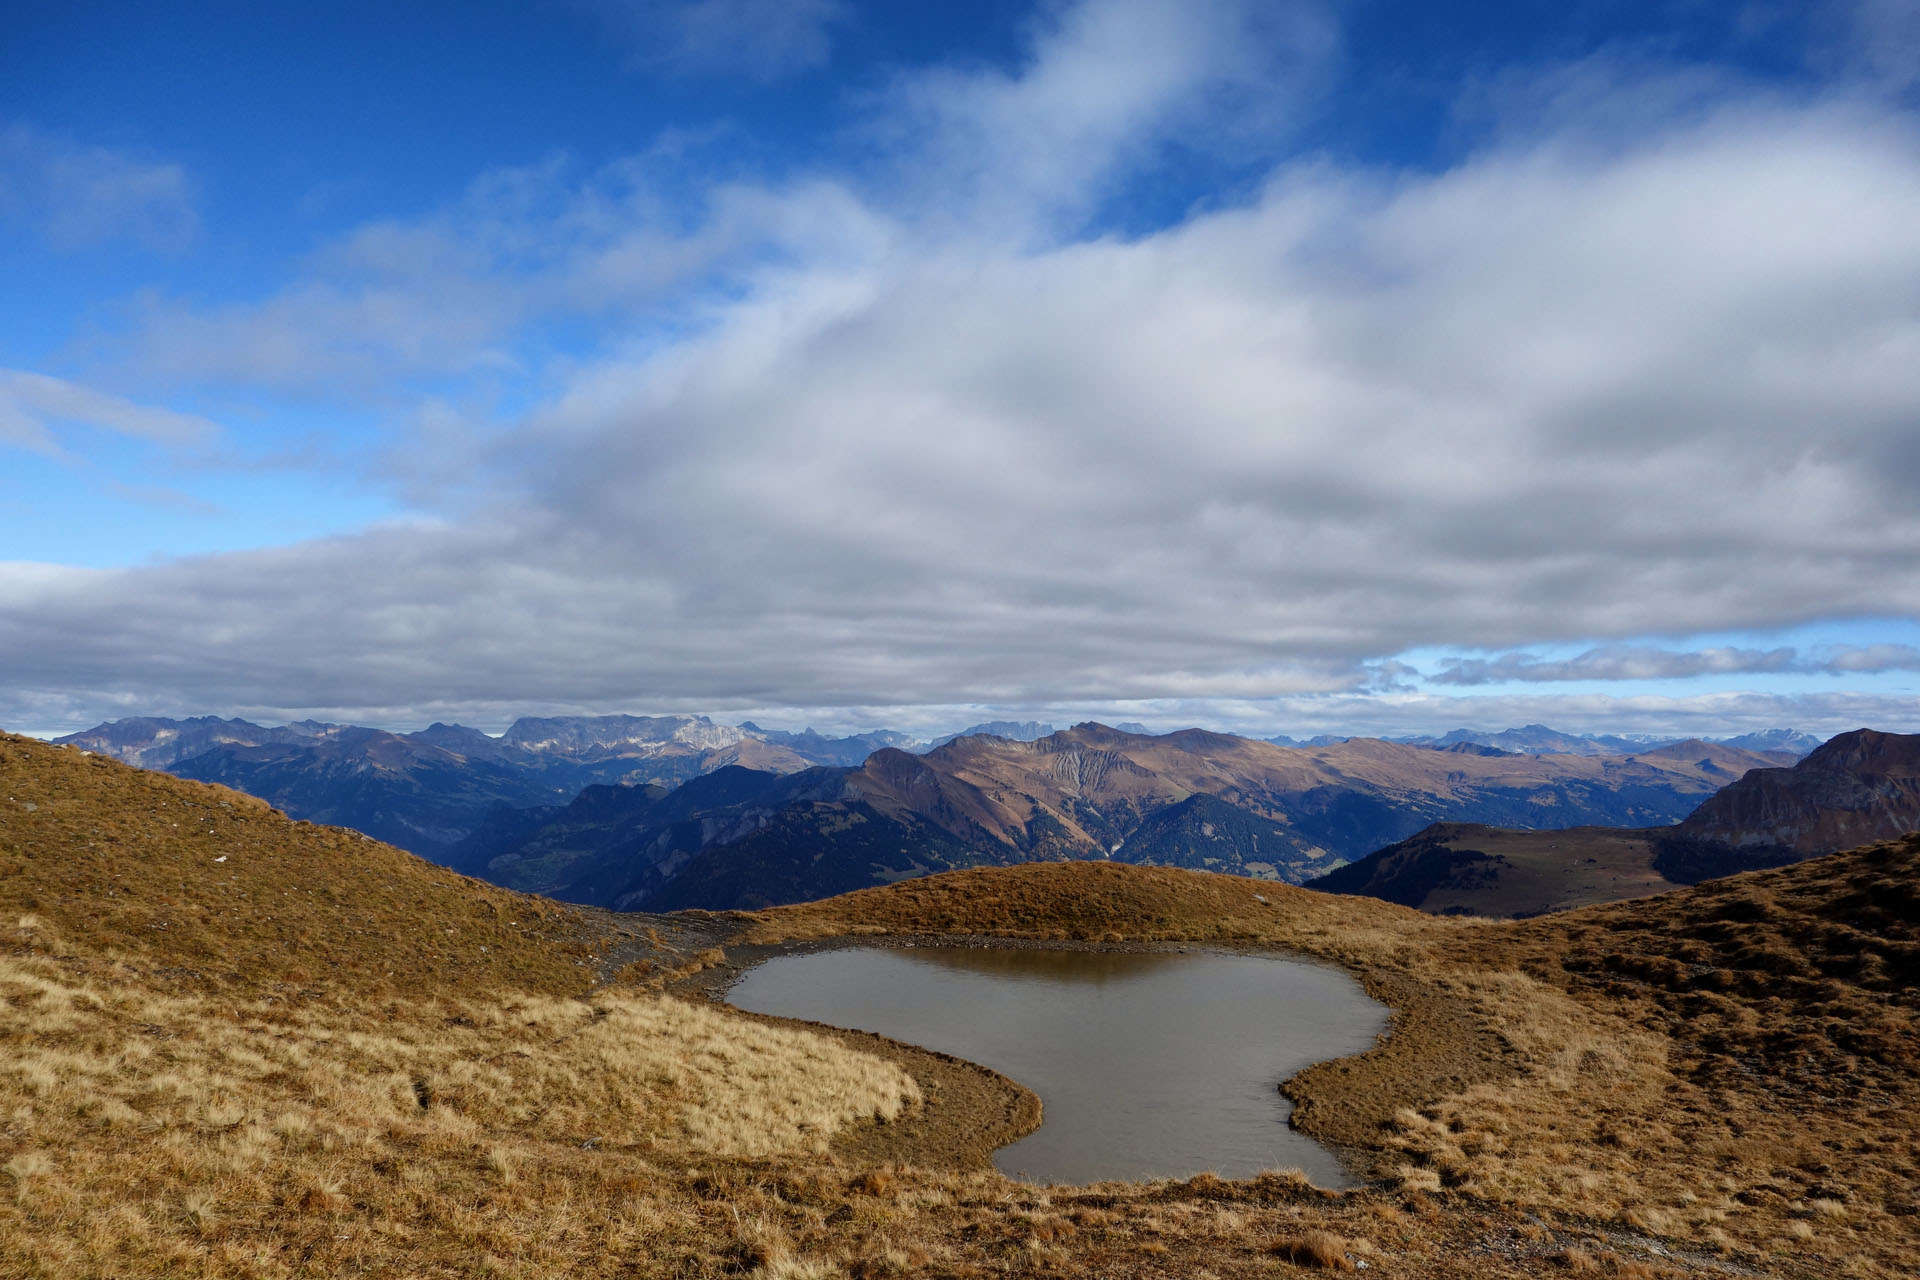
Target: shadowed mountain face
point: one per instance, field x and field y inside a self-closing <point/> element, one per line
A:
<point x="1191" y="799"/>
<point x="1463" y="868"/>
<point x="153" y="742"/>
<point x="430" y="792"/>
<point x="409" y="793"/>
<point x="1861" y="787"/>
<point x="1858" y="788"/>
<point x="1206" y="833"/>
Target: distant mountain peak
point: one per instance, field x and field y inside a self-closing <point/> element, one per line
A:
<point x="574" y="734"/>
<point x="1011" y="730"/>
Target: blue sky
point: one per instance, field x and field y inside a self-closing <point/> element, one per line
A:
<point x="1367" y="367"/>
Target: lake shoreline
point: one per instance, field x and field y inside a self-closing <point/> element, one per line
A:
<point x="1339" y="1102"/>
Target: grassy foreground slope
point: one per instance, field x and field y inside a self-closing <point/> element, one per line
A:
<point x="324" y="1057"/>
<point x="1732" y="1068"/>
<point x="235" y="1045"/>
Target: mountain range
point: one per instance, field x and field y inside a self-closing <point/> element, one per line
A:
<point x="428" y="791"/>
<point x="669" y="811"/>
<point x="1855" y="789"/>
<point x="1538" y="739"/>
<point x="1207" y="801"/>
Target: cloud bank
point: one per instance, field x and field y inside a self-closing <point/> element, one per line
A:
<point x="1635" y="662"/>
<point x="912" y="436"/>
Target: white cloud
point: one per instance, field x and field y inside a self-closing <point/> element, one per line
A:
<point x="1618" y="662"/>
<point x="1640" y="662"/>
<point x="36" y="410"/>
<point x="465" y="293"/>
<point x="763" y="39"/>
<point x="1105" y="87"/>
<point x="1697" y="715"/>
<point x="77" y="196"/>
<point x="1557" y="394"/>
<point x="1862" y="659"/>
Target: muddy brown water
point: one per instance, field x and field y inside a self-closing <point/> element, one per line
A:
<point x="1148" y="1065"/>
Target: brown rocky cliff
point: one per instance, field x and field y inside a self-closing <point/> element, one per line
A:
<point x="1858" y="788"/>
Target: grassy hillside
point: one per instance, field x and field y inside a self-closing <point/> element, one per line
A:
<point x="235" y="1045"/>
<point x="1731" y="1067"/>
<point x="324" y="1057"/>
<point x="212" y="884"/>
<point x="1467" y="868"/>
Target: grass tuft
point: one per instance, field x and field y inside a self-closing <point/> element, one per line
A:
<point x="1319" y="1249"/>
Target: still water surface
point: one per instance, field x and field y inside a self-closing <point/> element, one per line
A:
<point x="1155" y="1065"/>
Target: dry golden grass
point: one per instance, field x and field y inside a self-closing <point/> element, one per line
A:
<point x="234" y="1045"/>
<point x="203" y="884"/>
<point x="322" y="1057"/>
<point x="1701" y="1067"/>
<point x="619" y="1067"/>
<point x="145" y="1125"/>
<point x="1319" y="1249"/>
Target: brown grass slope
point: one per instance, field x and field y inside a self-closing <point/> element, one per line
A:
<point x="1730" y="1067"/>
<point x="234" y="1045"/>
<point x="204" y="879"/>
<point x="1809" y="974"/>
<point x="346" y="1089"/>
<point x="1786" y="1006"/>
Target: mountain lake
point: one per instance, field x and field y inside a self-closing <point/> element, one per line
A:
<point x="1148" y="1064"/>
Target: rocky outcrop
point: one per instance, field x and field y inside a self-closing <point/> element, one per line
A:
<point x="1855" y="789"/>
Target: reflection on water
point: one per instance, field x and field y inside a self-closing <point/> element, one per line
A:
<point x="1040" y="966"/>
<point x="1147" y="1064"/>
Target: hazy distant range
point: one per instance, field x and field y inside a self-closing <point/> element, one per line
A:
<point x="669" y="811"/>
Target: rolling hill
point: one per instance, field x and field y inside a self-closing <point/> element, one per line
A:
<point x="232" y="1044"/>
